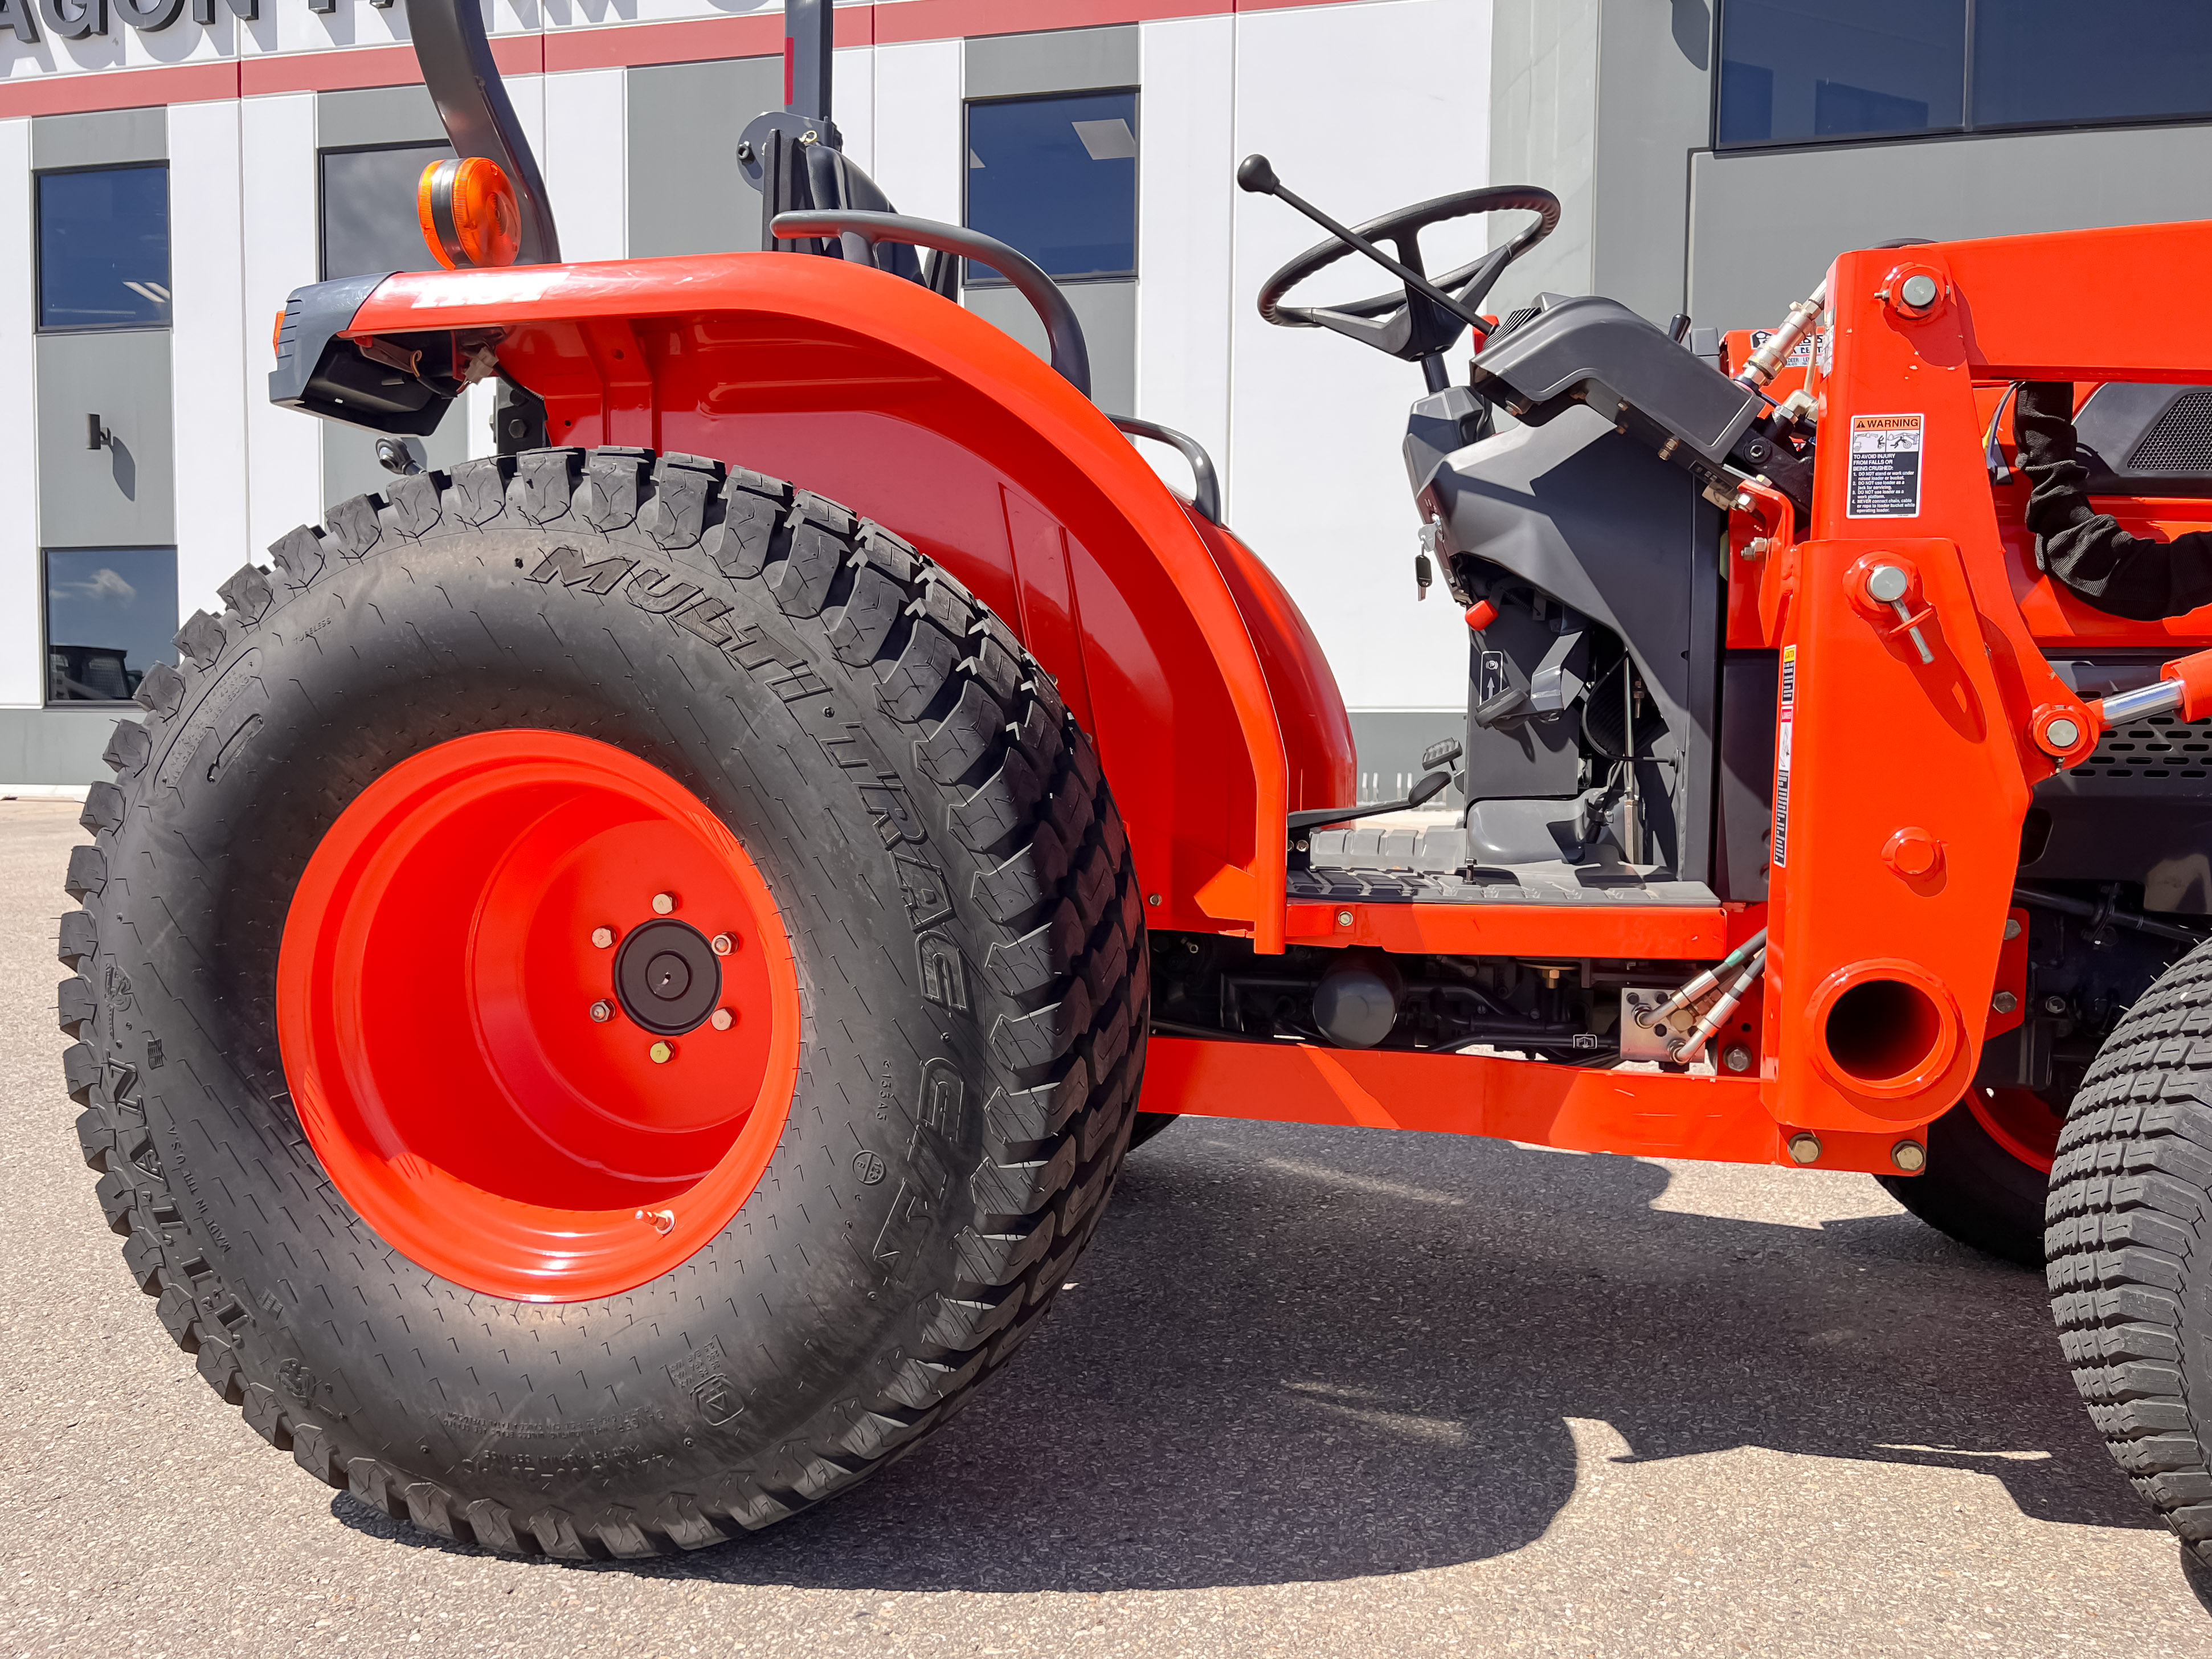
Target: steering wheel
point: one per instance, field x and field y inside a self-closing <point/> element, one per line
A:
<point x="1407" y="323"/>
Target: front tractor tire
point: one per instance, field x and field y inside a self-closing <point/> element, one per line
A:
<point x="2129" y="1248"/>
<point x="608" y="997"/>
<point x="1988" y="1172"/>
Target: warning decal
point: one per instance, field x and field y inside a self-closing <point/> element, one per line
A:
<point x="1782" y="733"/>
<point x="1885" y="480"/>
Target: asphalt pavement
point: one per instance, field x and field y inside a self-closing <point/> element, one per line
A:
<point x="1314" y="1392"/>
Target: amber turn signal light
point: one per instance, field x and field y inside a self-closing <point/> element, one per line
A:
<point x="468" y="213"/>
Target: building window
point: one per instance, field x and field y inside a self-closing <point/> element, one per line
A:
<point x="104" y="248"/>
<point x="111" y="614"/>
<point x="1821" y="72"/>
<point x="1056" y="178"/>
<point x="368" y="208"/>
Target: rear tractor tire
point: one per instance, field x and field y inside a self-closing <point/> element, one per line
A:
<point x="2129" y="1248"/>
<point x="609" y="995"/>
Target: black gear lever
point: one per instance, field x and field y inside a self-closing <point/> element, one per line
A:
<point x="1255" y="175"/>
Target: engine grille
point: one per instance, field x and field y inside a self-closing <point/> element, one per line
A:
<point x="2181" y="443"/>
<point x="2157" y="756"/>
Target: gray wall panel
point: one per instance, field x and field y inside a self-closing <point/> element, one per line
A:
<point x="1653" y="110"/>
<point x="376" y="115"/>
<point x="1108" y="312"/>
<point x="125" y="495"/>
<point x="1389" y="741"/>
<point x="56" y="745"/>
<point x="1543" y="125"/>
<point x="686" y="193"/>
<point x="100" y="138"/>
<point x="1763" y="227"/>
<point x="1062" y="60"/>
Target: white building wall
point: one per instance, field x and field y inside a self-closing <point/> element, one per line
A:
<point x="1362" y="109"/>
<point x="1185" y="287"/>
<point x="22" y="653"/>
<point x="283" y="457"/>
<point x="918" y="159"/>
<point x="586" y="162"/>
<point x="209" y="338"/>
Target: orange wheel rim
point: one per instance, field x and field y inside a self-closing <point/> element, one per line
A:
<point x="539" y="1015"/>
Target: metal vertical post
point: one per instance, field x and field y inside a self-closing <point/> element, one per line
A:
<point x="808" y="35"/>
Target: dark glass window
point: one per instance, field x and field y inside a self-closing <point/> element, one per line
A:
<point x="2058" y="63"/>
<point x="1057" y="177"/>
<point x="104" y="248"/>
<point x="111" y="614"/>
<point x="368" y="208"/>
<point x="1793" y="71"/>
<point x="1806" y="72"/>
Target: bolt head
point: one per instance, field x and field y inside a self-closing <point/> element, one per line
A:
<point x="1736" y="1057"/>
<point x="724" y="944"/>
<point x="1344" y="918"/>
<point x="2054" y="1005"/>
<point x="603" y="1011"/>
<point x="1918" y="290"/>
<point x="721" y="1019"/>
<point x="2012" y="926"/>
<point x="1885" y="584"/>
<point x="1908" y="1156"/>
<point x="1743" y="503"/>
<point x="2004" y="1002"/>
<point x="663" y="903"/>
<point x="1912" y="852"/>
<point x="2062" y="733"/>
<point x="603" y="937"/>
<point x="1152" y="898"/>
<point x="661" y="1053"/>
<point x="1805" y="1147"/>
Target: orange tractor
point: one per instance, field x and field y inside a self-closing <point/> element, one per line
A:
<point x="614" y="984"/>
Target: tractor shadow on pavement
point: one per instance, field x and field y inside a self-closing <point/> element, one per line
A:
<point x="1301" y="1354"/>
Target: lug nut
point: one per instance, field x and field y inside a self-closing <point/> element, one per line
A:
<point x="2004" y="1002"/>
<point x="663" y="903"/>
<point x="661" y="1053"/>
<point x="721" y="1019"/>
<point x="1736" y="1057"/>
<point x="1908" y="1156"/>
<point x="603" y="1011"/>
<point x="724" y="944"/>
<point x="1805" y="1147"/>
<point x="603" y="937"/>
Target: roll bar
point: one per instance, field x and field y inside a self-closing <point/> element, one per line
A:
<point x="1069" y="356"/>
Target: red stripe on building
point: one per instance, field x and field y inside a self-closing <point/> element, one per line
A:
<point x="621" y="46"/>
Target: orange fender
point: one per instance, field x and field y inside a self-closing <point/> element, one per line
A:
<point x="1184" y="660"/>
